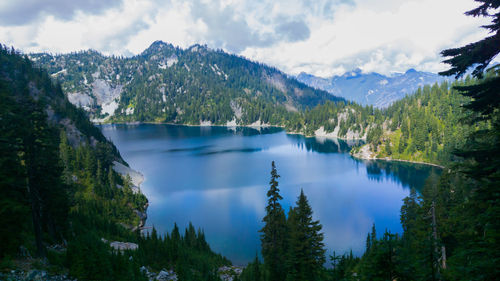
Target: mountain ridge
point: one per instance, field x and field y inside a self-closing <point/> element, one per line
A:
<point x="372" y="88"/>
<point x="165" y="83"/>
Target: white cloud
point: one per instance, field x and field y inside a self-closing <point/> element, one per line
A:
<point x="408" y="35"/>
<point x="320" y="37"/>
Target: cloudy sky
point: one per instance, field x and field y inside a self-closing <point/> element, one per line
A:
<point x="322" y="37"/>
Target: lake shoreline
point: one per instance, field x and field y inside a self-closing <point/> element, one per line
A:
<point x="354" y="155"/>
<point x="365" y="153"/>
<point x="402" y="160"/>
<point x="265" y="125"/>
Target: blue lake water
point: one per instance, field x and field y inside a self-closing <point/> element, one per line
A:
<point x="217" y="178"/>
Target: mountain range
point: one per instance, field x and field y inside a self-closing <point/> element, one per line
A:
<point x="164" y="83"/>
<point x="372" y="88"/>
<point x="199" y="85"/>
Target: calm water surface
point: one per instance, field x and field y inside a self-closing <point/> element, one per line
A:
<point x="217" y="178"/>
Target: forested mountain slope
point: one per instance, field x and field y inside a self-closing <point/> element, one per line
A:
<point x="186" y="86"/>
<point x="425" y="127"/>
<point x="61" y="201"/>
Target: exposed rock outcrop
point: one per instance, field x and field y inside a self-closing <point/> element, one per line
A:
<point x="163" y="275"/>
<point x="32" y="275"/>
<point x="121" y="246"/>
<point x="136" y="177"/>
<point x="364" y="152"/>
<point x="229" y="273"/>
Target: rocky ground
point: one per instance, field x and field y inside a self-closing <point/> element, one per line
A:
<point x="364" y="153"/>
<point x="32" y="275"/>
<point x="229" y="273"/>
<point x="226" y="273"/>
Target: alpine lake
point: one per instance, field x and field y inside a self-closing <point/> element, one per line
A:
<point x="217" y="178"/>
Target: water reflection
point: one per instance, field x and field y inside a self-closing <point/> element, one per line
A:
<point x="322" y="144"/>
<point x="232" y="150"/>
<point x="410" y="175"/>
<point x="217" y="178"/>
<point x="188" y="149"/>
<point x="187" y="132"/>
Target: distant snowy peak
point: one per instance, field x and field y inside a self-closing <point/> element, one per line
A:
<point x="372" y="88"/>
<point x="355" y="73"/>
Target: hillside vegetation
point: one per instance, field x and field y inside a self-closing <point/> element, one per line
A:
<point x="426" y="126"/>
<point x="62" y="203"/>
<point x="184" y="86"/>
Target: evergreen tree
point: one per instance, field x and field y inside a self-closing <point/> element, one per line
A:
<point x="256" y="269"/>
<point x="343" y="267"/>
<point x="47" y="195"/>
<point x="273" y="237"/>
<point x="373" y="234"/>
<point x="379" y="263"/>
<point x="368" y="243"/>
<point x="252" y="272"/>
<point x="479" y="255"/>
<point x="14" y="206"/>
<point x="412" y="253"/>
<point x="306" y="253"/>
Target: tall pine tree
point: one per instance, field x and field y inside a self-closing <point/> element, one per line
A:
<point x="14" y="205"/>
<point x="306" y="253"/>
<point x="273" y="237"/>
